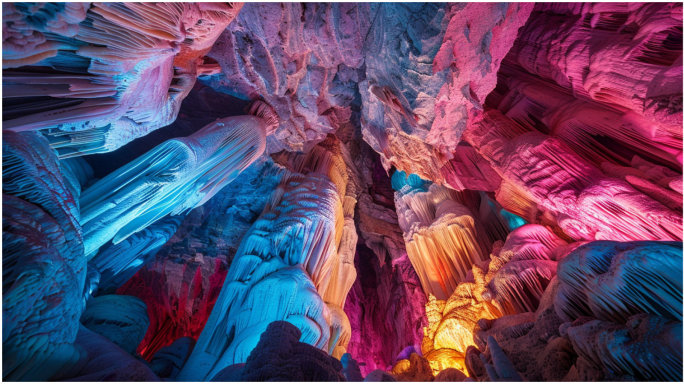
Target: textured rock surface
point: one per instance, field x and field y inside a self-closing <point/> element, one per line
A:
<point x="302" y="59"/>
<point x="169" y="360"/>
<point x="44" y="269"/>
<point x="623" y="54"/>
<point x="535" y="155"/>
<point x="74" y="50"/>
<point x="121" y="319"/>
<point x="612" y="281"/>
<point x="512" y="282"/>
<point x="429" y="69"/>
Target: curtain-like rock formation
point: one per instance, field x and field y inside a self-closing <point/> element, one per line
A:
<point x="444" y="238"/>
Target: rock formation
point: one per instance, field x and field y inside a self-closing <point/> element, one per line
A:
<point x="43" y="266"/>
<point x="174" y="177"/>
<point x="360" y="192"/>
<point x="294" y="242"/>
<point x="96" y="76"/>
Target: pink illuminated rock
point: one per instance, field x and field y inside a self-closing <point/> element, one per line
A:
<point x="586" y="203"/>
<point x="628" y="54"/>
<point x="583" y="123"/>
<point x="386" y="309"/>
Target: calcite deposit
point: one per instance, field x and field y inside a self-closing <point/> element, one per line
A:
<point x="342" y="191"/>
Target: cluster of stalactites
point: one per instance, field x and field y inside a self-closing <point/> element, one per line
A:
<point x="512" y="282"/>
<point x="294" y="264"/>
<point x="545" y="106"/>
<point x="443" y="237"/>
<point x="103" y="74"/>
<point x="176" y="176"/>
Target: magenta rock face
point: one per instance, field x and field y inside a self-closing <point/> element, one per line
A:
<point x="342" y="191"/>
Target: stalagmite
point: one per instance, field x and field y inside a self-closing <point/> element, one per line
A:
<point x="293" y="245"/>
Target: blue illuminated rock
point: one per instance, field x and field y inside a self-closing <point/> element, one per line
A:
<point x="44" y="268"/>
<point x="172" y="178"/>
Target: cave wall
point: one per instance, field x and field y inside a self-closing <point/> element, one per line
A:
<point x="422" y="191"/>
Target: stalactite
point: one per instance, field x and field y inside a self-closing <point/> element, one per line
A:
<point x="519" y="285"/>
<point x="70" y="91"/>
<point x="117" y="263"/>
<point x="172" y="178"/>
<point x="183" y="280"/>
